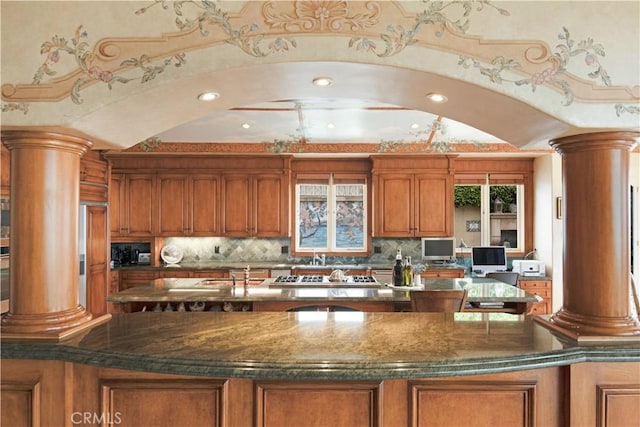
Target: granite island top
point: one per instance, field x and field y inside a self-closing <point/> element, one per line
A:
<point x="320" y="345"/>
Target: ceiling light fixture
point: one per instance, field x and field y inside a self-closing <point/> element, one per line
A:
<point x="246" y="125"/>
<point x="331" y="125"/>
<point x="322" y="81"/>
<point x="208" y="96"/>
<point x="437" y="97"/>
<point x="415" y="126"/>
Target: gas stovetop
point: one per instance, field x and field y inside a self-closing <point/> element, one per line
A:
<point x="356" y="281"/>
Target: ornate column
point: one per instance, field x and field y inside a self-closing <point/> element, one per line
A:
<point x="43" y="266"/>
<point x="596" y="281"/>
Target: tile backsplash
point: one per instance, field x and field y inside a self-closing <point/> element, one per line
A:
<point x="208" y="249"/>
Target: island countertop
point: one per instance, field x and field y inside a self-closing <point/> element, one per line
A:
<point x="319" y="345"/>
<point x="480" y="290"/>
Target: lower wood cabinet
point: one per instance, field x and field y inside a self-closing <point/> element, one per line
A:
<point x="60" y="393"/>
<point x="450" y="273"/>
<point x="543" y="288"/>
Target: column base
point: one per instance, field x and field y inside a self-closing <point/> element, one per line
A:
<point x="56" y="325"/>
<point x="584" y="329"/>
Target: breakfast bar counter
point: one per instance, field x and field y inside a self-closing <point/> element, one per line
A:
<point x="269" y="295"/>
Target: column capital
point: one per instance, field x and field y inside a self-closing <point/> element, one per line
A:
<point x="16" y="139"/>
<point x="596" y="140"/>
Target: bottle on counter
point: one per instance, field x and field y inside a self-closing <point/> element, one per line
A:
<point x="399" y="255"/>
<point x="407" y="272"/>
<point x="398" y="278"/>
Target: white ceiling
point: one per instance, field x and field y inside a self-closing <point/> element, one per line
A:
<point x="324" y="121"/>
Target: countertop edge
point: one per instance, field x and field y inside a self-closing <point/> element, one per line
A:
<point x="314" y="371"/>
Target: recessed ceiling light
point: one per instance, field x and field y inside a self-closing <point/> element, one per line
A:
<point x="246" y="125"/>
<point x="437" y="97"/>
<point x="208" y="96"/>
<point x="415" y="126"/>
<point x="322" y="81"/>
<point x="331" y="125"/>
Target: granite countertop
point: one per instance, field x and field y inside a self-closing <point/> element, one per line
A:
<point x="177" y="289"/>
<point x="273" y="265"/>
<point x="319" y="345"/>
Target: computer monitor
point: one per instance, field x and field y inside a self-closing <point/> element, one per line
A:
<point x="486" y="259"/>
<point x="439" y="249"/>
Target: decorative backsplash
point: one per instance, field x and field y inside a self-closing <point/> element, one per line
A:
<point x="278" y="250"/>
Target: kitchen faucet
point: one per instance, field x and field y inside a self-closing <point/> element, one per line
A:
<point x="321" y="258"/>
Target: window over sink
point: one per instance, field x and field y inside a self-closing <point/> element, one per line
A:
<point x="331" y="214"/>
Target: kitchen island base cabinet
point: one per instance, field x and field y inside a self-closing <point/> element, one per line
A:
<point x="39" y="392"/>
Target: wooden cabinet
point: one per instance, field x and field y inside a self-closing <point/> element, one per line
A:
<point x="187" y="205"/>
<point x="97" y="260"/>
<point x="543" y="288"/>
<point x="131" y="202"/>
<point x="254" y="205"/>
<point x="449" y="273"/>
<point x="417" y="202"/>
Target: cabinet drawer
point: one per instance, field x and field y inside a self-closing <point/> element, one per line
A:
<point x="534" y="284"/>
<point x="170" y="273"/>
<point x="138" y="275"/>
<point x="540" y="308"/>
<point x="544" y="293"/>
<point x="452" y="274"/>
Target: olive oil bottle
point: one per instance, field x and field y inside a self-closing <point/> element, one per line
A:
<point x="407" y="272"/>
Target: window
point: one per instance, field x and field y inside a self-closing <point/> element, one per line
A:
<point x="331" y="214"/>
<point x="490" y="213"/>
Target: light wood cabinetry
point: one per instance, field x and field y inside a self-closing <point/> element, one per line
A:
<point x="543" y="288"/>
<point x="417" y="202"/>
<point x="449" y="273"/>
<point x="187" y="205"/>
<point x="132" y="204"/>
<point x="97" y="260"/>
<point x="254" y="205"/>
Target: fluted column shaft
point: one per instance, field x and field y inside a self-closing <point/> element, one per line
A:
<point x="44" y="273"/>
<point x="596" y="264"/>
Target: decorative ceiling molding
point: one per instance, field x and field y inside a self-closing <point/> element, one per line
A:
<point x="263" y="28"/>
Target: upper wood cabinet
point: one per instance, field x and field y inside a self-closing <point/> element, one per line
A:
<point x="417" y="202"/>
<point x="188" y="205"/>
<point x="254" y="205"/>
<point x="131" y="203"/>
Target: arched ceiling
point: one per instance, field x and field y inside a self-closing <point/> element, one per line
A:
<point x="131" y="72"/>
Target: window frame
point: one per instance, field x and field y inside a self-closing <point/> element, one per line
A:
<point x="331" y="180"/>
<point x="522" y="181"/>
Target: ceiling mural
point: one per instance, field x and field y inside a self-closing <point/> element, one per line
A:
<point x="574" y="68"/>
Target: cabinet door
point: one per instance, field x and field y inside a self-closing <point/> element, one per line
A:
<point x="236" y="207"/>
<point x="394" y="205"/>
<point x="269" y="216"/>
<point x="205" y="202"/>
<point x="138" y="205"/>
<point x="97" y="260"/>
<point x="116" y="201"/>
<point x="173" y="216"/>
<point x="434" y="210"/>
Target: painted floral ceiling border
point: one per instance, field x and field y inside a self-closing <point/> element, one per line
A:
<point x="441" y="25"/>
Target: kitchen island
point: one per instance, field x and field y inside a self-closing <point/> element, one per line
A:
<point x="270" y="295"/>
<point x="321" y="369"/>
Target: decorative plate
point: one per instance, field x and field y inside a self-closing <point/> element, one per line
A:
<point x="171" y="254"/>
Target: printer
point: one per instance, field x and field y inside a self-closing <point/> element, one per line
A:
<point x="527" y="267"/>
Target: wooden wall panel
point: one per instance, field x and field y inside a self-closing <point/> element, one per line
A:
<point x="605" y="394"/>
<point x="316" y="404"/>
<point x="461" y="403"/>
<point x="33" y="393"/>
<point x="162" y="402"/>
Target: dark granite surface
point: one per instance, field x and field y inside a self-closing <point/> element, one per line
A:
<point x="320" y="345"/>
